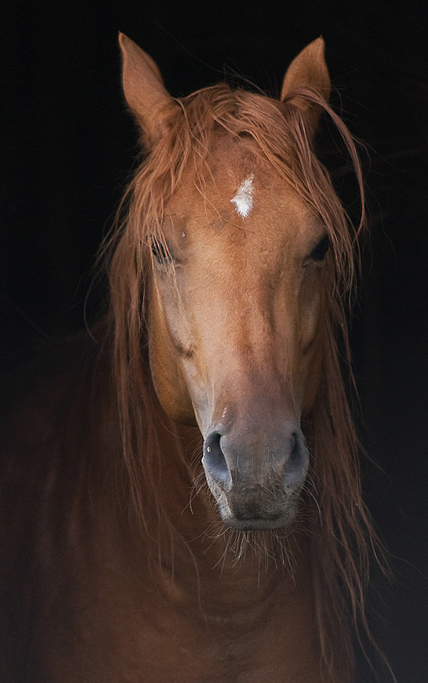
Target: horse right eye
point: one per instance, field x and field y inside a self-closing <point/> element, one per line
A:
<point x="161" y="252"/>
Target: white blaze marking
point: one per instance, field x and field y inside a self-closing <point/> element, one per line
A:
<point x="243" y="199"/>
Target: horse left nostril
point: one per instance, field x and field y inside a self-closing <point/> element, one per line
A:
<point x="214" y="461"/>
<point x="294" y="449"/>
<point x="298" y="460"/>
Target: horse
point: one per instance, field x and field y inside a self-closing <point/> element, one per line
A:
<point x="181" y="496"/>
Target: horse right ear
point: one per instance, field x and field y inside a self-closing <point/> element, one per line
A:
<point x="144" y="89"/>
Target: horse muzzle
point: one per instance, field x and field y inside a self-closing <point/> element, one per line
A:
<point x="256" y="476"/>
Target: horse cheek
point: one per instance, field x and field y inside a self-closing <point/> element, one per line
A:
<point x="313" y="381"/>
<point x="167" y="376"/>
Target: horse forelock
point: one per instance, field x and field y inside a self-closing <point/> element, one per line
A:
<point x="341" y="530"/>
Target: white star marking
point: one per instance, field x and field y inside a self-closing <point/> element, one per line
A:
<point x="243" y="199"/>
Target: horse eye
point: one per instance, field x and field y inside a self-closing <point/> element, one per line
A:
<point x="320" y="251"/>
<point x="160" y="252"/>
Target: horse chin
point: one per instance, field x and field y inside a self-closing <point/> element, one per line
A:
<point x="250" y="519"/>
<point x="260" y="523"/>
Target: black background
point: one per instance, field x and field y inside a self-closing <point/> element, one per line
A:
<point x="67" y="148"/>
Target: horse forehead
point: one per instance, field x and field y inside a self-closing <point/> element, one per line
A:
<point x="237" y="173"/>
<point x="239" y="190"/>
<point x="256" y="200"/>
<point x="250" y="186"/>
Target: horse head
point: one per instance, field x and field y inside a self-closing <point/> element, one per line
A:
<point x="240" y="266"/>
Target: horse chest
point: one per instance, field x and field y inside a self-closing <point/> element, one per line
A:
<point x="120" y="625"/>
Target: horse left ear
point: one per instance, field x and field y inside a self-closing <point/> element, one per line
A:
<point x="308" y="69"/>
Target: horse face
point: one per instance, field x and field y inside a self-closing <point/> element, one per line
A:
<point x="235" y="340"/>
<point x="235" y="330"/>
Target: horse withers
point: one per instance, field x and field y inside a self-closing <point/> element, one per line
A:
<point x="181" y="497"/>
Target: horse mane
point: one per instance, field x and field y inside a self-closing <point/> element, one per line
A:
<point x="341" y="532"/>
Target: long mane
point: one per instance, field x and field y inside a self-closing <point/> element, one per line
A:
<point x="340" y="529"/>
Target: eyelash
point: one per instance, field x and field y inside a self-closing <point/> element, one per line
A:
<point x="161" y="252"/>
<point x="319" y="252"/>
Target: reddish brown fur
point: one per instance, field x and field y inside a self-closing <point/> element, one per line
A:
<point x="126" y="584"/>
<point x="340" y="530"/>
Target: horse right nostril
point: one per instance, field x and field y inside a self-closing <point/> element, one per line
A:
<point x="214" y="461"/>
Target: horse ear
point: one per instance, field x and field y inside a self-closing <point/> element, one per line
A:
<point x="144" y="89"/>
<point x="308" y="69"/>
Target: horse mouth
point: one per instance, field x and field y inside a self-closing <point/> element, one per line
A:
<point x="257" y="523"/>
<point x="252" y="518"/>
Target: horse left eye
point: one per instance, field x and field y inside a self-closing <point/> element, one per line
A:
<point x="320" y="251"/>
<point x="161" y="252"/>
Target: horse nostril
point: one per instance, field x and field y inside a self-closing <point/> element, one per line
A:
<point x="214" y="461"/>
<point x="294" y="450"/>
<point x="298" y="460"/>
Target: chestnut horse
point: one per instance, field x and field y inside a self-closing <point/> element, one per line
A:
<point x="181" y="499"/>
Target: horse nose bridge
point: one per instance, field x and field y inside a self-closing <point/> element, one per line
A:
<point x="257" y="336"/>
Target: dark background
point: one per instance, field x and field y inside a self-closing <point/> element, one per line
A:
<point x="67" y="148"/>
